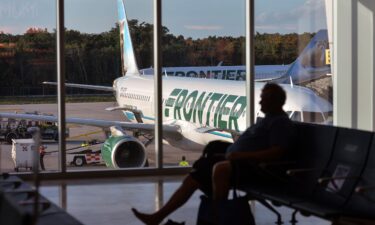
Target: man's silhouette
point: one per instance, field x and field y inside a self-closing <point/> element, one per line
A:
<point x="266" y="140"/>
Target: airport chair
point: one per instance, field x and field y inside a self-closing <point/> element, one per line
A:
<point x="341" y="175"/>
<point x="57" y="216"/>
<point x="21" y="204"/>
<point x="11" y="184"/>
<point x="306" y="162"/>
<point x="13" y="213"/>
<point x="362" y="202"/>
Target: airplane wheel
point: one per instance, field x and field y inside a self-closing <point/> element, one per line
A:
<point x="11" y="136"/>
<point x="79" y="161"/>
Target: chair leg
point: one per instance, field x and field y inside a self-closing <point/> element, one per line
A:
<point x="270" y="207"/>
<point x="294" y="221"/>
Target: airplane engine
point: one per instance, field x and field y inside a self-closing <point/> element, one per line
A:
<point x="124" y="151"/>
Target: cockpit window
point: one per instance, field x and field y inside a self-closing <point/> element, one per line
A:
<point x="295" y="116"/>
<point x="313" y="117"/>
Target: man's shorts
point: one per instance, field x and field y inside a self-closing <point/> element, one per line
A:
<point x="243" y="172"/>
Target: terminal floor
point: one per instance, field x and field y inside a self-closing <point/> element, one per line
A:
<point x="108" y="201"/>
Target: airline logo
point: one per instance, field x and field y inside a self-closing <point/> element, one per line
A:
<point x="206" y="108"/>
<point x="215" y="74"/>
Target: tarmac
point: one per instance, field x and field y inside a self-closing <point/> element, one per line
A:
<point x="80" y="133"/>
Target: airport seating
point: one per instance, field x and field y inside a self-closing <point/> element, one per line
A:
<point x="362" y="202"/>
<point x="17" y="205"/>
<point x="329" y="173"/>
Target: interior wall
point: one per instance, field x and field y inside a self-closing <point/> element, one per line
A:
<point x="353" y="72"/>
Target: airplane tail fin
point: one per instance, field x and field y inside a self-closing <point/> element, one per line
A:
<point x="311" y="64"/>
<point x="128" y="62"/>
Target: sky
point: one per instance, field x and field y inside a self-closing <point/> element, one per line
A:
<point x="190" y="18"/>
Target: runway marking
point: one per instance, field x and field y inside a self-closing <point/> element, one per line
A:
<point x="85" y="135"/>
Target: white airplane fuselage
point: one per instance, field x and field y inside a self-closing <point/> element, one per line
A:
<point x="194" y="104"/>
<point x="262" y="72"/>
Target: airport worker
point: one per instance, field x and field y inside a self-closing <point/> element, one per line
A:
<point x="267" y="140"/>
<point x="183" y="162"/>
<point x="42" y="153"/>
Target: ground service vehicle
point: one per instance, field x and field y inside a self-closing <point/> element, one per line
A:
<point x="18" y="128"/>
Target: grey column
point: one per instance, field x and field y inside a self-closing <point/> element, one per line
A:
<point x="250" y="110"/>
<point x="158" y="90"/>
<point x="60" y="39"/>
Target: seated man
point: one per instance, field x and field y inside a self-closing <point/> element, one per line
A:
<point x="266" y="140"/>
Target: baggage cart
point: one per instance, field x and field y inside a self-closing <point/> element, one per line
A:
<point x="22" y="153"/>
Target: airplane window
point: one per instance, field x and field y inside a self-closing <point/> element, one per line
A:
<point x="296" y="116"/>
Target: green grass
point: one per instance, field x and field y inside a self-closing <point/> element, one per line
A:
<point x="39" y="99"/>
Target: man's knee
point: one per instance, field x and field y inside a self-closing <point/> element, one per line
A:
<point x="222" y="169"/>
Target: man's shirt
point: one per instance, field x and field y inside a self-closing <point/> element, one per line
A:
<point x="273" y="130"/>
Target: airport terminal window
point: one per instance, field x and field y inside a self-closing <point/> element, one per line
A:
<point x="296" y="53"/>
<point x="27" y="58"/>
<point x="290" y="48"/>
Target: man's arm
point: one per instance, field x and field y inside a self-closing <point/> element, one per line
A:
<point x="272" y="153"/>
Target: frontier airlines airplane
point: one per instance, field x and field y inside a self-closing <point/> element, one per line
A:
<point x="195" y="111"/>
<point x="310" y="65"/>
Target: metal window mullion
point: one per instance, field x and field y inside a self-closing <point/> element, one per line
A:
<point x="250" y="112"/>
<point x="158" y="85"/>
<point x="60" y="43"/>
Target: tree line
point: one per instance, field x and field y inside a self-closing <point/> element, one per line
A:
<point x="29" y="59"/>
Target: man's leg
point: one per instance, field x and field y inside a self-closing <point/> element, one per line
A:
<point x="181" y="195"/>
<point x="41" y="160"/>
<point x="221" y="177"/>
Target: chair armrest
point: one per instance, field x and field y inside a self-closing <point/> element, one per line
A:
<point x="16" y="184"/>
<point x="5" y="176"/>
<point x="30" y="202"/>
<point x="363" y="189"/>
<point x="325" y="180"/>
<point x="29" y="192"/>
<point x="294" y="172"/>
<point x="264" y="165"/>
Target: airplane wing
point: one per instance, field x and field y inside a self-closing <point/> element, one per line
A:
<point x="85" y="86"/>
<point x="268" y="79"/>
<point x="172" y="131"/>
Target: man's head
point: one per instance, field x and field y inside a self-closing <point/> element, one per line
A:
<point x="272" y="98"/>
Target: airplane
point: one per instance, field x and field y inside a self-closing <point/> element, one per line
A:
<point x="310" y="65"/>
<point x="195" y="111"/>
<point x="262" y="72"/>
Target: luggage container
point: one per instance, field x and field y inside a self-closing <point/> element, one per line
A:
<point x="22" y="153"/>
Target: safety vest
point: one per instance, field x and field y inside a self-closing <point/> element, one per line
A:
<point x="184" y="163"/>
